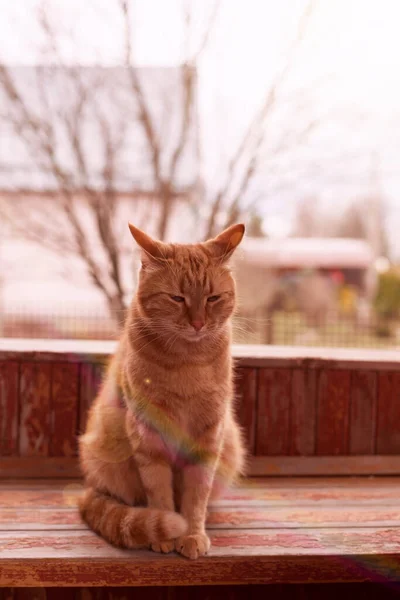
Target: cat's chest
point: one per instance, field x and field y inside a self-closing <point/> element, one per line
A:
<point x="174" y="425"/>
<point x="175" y="437"/>
<point x="189" y="384"/>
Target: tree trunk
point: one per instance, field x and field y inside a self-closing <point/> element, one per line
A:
<point x="118" y="311"/>
<point x="167" y="204"/>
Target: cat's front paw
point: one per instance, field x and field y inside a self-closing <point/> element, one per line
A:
<point x="164" y="547"/>
<point x="193" y="546"/>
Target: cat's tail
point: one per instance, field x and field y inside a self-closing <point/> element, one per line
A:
<point x="127" y="526"/>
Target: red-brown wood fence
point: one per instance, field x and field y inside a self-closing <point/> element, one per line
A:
<point x="304" y="411"/>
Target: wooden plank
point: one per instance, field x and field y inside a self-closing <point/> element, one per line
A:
<point x="333" y="412"/>
<point x="35" y="386"/>
<point x="9" y="408"/>
<point x="42" y="350"/>
<point x="363" y="412"/>
<point x="221" y="517"/>
<point x="274" y="394"/>
<point x="64" y="409"/>
<point x="86" y="393"/>
<point x="268" y="492"/>
<point x="38" y="594"/>
<point x="388" y="427"/>
<point x="246" y="355"/>
<point x="239" y="557"/>
<point x="258" y="466"/>
<point x="90" y="380"/>
<point x="39" y="466"/>
<point x="246" y="393"/>
<point x="303" y="412"/>
<point x="276" y="517"/>
<point x="41" y="499"/>
<point x="250" y="484"/>
<point x="316" y="591"/>
<point x="25" y="519"/>
<point x="323" y="465"/>
<point x="7" y="593"/>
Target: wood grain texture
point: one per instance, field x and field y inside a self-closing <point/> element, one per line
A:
<point x="333" y="412"/>
<point x="388" y="428"/>
<point x="303" y="412"/>
<point x="35" y="385"/>
<point x="362" y="464"/>
<point x="245" y="557"/>
<point x="246" y="394"/>
<point x="38" y="594"/>
<point x="265" y="532"/>
<point x="64" y="417"/>
<point x="274" y="396"/>
<point x="86" y="393"/>
<point x="39" y="467"/>
<point x="316" y="591"/>
<point x="281" y="410"/>
<point x="258" y="466"/>
<point x="222" y="517"/>
<point x="252" y="492"/>
<point x="363" y="412"/>
<point x="9" y="408"/>
<point x="91" y="377"/>
<point x="246" y="355"/>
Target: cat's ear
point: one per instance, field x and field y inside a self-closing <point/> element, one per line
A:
<point x="152" y="250"/>
<point x="226" y="242"/>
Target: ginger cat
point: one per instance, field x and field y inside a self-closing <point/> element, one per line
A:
<point x="161" y="438"/>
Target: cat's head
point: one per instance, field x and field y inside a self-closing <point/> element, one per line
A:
<point x="186" y="291"/>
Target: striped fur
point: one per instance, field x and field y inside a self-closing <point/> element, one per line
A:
<point x="126" y="526"/>
<point x="161" y="437"/>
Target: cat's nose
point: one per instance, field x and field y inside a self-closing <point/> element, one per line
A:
<point x="197" y="325"/>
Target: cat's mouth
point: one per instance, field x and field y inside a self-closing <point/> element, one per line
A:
<point x="195" y="336"/>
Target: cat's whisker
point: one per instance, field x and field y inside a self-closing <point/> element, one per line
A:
<point x="252" y="319"/>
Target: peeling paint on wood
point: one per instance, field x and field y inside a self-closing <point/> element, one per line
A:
<point x="363" y="412"/>
<point x="64" y="393"/>
<point x="274" y="397"/>
<point x="35" y="387"/>
<point x="246" y="392"/>
<point x="303" y="413"/>
<point x="284" y="412"/>
<point x="388" y="427"/>
<point x="333" y="412"/>
<point x="90" y="381"/>
<point x="9" y="408"/>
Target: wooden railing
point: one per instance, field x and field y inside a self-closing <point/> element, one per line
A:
<point x="304" y="411"/>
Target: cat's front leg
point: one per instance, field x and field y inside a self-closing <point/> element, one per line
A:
<point x="197" y="481"/>
<point x="155" y="473"/>
<point x="156" y="477"/>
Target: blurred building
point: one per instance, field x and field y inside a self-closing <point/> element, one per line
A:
<point x="310" y="275"/>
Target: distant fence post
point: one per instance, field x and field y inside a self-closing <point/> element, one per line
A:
<point x="268" y="327"/>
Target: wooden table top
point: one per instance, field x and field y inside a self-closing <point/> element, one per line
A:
<point x="265" y="531"/>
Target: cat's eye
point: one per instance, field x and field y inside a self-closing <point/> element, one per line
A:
<point x="178" y="298"/>
<point x="213" y="298"/>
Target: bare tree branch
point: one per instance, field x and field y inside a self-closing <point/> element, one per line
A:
<point x="144" y="111"/>
<point x="254" y="135"/>
<point x="206" y="34"/>
<point x="39" y="135"/>
<point x="77" y="182"/>
<point x="166" y="185"/>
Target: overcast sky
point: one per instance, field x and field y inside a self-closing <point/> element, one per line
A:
<point x="349" y="67"/>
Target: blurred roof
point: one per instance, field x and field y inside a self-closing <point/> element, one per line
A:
<point x="99" y="102"/>
<point x="307" y="252"/>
